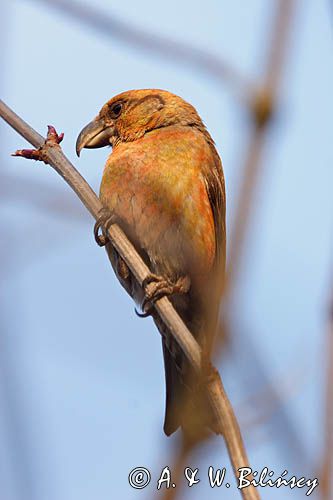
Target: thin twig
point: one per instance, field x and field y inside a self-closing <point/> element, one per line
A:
<point x="158" y="45"/>
<point x="220" y="405"/>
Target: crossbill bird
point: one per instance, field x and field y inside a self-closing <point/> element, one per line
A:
<point x="163" y="184"/>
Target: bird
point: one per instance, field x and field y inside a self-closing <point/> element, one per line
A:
<point x="163" y="183"/>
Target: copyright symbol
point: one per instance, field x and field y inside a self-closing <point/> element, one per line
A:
<point x="139" y="478"/>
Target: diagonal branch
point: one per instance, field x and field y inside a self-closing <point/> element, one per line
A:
<point x="219" y="402"/>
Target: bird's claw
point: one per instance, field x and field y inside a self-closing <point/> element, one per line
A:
<point x="105" y="220"/>
<point x="143" y="314"/>
<point x="156" y="287"/>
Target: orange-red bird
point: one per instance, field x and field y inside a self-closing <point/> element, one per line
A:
<point x="163" y="184"/>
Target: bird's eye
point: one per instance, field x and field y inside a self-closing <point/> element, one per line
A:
<point x="115" y="110"/>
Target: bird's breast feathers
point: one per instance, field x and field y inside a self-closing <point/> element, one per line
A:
<point x="156" y="187"/>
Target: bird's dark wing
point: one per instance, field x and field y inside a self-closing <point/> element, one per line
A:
<point x="215" y="186"/>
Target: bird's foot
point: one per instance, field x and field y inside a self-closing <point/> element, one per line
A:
<point x="156" y="287"/>
<point x="105" y="220"/>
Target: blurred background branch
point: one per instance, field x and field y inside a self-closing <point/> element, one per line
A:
<point x="154" y="44"/>
<point x="325" y="475"/>
<point x="262" y="109"/>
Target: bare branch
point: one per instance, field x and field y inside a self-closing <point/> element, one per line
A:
<point x="220" y="405"/>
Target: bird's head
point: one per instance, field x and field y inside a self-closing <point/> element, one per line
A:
<point x="130" y="115"/>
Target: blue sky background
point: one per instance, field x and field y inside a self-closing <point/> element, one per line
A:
<point x="81" y="381"/>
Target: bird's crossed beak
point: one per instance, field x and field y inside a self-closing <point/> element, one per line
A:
<point x="94" y="135"/>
